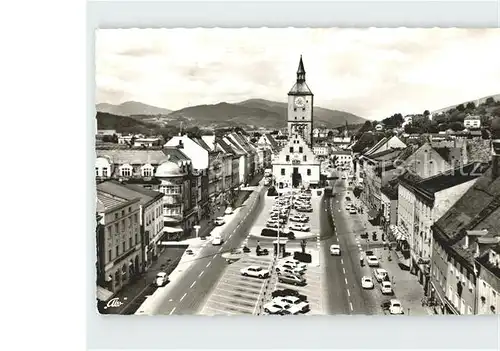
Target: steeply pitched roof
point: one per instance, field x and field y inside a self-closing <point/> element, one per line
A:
<point x="274" y="144"/>
<point x="175" y="154"/>
<point x="236" y="148"/>
<point x="224" y="146"/>
<point x="202" y="143"/>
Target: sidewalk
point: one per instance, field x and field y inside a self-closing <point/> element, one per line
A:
<point x="405" y="285"/>
<point x="133" y="293"/>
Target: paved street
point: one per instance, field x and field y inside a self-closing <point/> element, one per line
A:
<point x="344" y="273"/>
<point x="234" y="293"/>
<point x="186" y="295"/>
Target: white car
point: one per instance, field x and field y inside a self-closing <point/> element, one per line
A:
<point x="300" y="227"/>
<point x="296" y="305"/>
<point x="335" y="250"/>
<point x="353" y="211"/>
<point x="275" y="307"/>
<point x="293" y="262"/>
<point x="300" y="219"/>
<point x="380" y="274"/>
<point x="348" y="207"/>
<point x="161" y="279"/>
<point x="217" y="240"/>
<point x="290" y="269"/>
<point x="395" y="307"/>
<point x="372" y="261"/>
<point x="272" y="224"/>
<point x="220" y="221"/>
<point x="228" y="211"/>
<point x="367" y="282"/>
<point x="255" y="271"/>
<point x="386" y="287"/>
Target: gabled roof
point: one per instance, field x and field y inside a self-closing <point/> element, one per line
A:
<point x="274" y="144"/>
<point x="377" y="146"/>
<point x="236" y="148"/>
<point x="241" y="142"/>
<point x="224" y="146"/>
<point x="175" y="154"/>
<point x="202" y="143"/>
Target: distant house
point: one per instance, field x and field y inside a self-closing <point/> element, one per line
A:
<point x="472" y="122"/>
<point x="380" y="127"/>
<point x="147" y="142"/>
<point x="108" y="132"/>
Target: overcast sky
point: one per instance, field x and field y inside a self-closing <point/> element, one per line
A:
<point x="373" y="73"/>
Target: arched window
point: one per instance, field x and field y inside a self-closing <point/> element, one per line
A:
<point x="126" y="170"/>
<point x="147" y="170"/>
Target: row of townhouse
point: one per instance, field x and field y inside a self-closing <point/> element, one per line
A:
<point x="192" y="173"/>
<point x="465" y="259"/>
<point x="410" y="188"/>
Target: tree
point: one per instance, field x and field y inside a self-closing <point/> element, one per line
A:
<point x="426" y="113"/>
<point x="460" y="107"/>
<point x="443" y="127"/>
<point x="114" y="139"/>
<point x="330" y="134"/>
<point x="471" y="105"/>
<point x="456" y="126"/>
<point x="490" y="101"/>
<point x="496" y="112"/>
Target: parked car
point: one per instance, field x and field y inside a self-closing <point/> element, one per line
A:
<point x="228" y="211"/>
<point x="217" y="240"/>
<point x="386" y="287"/>
<point x="292" y="279"/>
<point x="289" y="292"/>
<point x="220" y="221"/>
<point x="372" y="261"/>
<point x="304" y="208"/>
<point x="301" y="227"/>
<point x="380" y="274"/>
<point x="293" y="262"/>
<point x="300" y="219"/>
<point x="275" y="307"/>
<point x="393" y="306"/>
<point x="161" y="279"/>
<point x="255" y="271"/>
<point x="288" y="269"/>
<point x="367" y="282"/>
<point x="272" y="224"/>
<point x="335" y="250"/>
<point x="296" y="305"/>
<point x="353" y="210"/>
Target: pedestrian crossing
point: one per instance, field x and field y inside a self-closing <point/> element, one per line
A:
<point x="236" y="294"/>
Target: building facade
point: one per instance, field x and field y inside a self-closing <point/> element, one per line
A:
<point x="119" y="238"/>
<point x="296" y="165"/>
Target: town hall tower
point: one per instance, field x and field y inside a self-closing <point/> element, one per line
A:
<point x="300" y="107"/>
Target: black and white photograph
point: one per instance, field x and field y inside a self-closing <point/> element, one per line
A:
<point x="297" y="171"/>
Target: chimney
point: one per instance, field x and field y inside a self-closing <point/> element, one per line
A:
<point x="181" y="145"/>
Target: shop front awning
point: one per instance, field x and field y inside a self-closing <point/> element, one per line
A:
<point x="172" y="230"/>
<point x="103" y="294"/>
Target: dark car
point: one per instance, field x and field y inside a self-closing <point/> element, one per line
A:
<point x="292" y="279"/>
<point x="289" y="292"/>
<point x="369" y="253"/>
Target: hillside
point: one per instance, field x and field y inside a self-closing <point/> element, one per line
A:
<point x="477" y="102"/>
<point x="255" y="113"/>
<point x="132" y="108"/>
<point x="323" y="117"/>
<point x="123" y="124"/>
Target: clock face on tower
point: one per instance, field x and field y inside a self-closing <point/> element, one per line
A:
<point x="299" y="101"/>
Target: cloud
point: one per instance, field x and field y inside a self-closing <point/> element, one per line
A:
<point x="369" y="72"/>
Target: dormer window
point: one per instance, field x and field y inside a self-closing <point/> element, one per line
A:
<point x="287" y="158"/>
<point x="126" y="170"/>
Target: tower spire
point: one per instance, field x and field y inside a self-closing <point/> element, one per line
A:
<point x="301" y="72"/>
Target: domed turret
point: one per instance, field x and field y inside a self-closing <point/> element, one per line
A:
<point x="169" y="169"/>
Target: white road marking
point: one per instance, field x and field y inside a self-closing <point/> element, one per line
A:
<point x="348" y="293"/>
<point x="341" y="261"/>
<point x="343" y="270"/>
<point x="173" y="309"/>
<point x="345" y="280"/>
<point x="220" y="249"/>
<point x="350" y="305"/>
<point x="193" y="284"/>
<point x="183" y="296"/>
<point x="208" y="264"/>
<point x="199" y="275"/>
<point x="360" y="248"/>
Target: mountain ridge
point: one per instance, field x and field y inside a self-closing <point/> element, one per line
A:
<point x="253" y="113"/>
